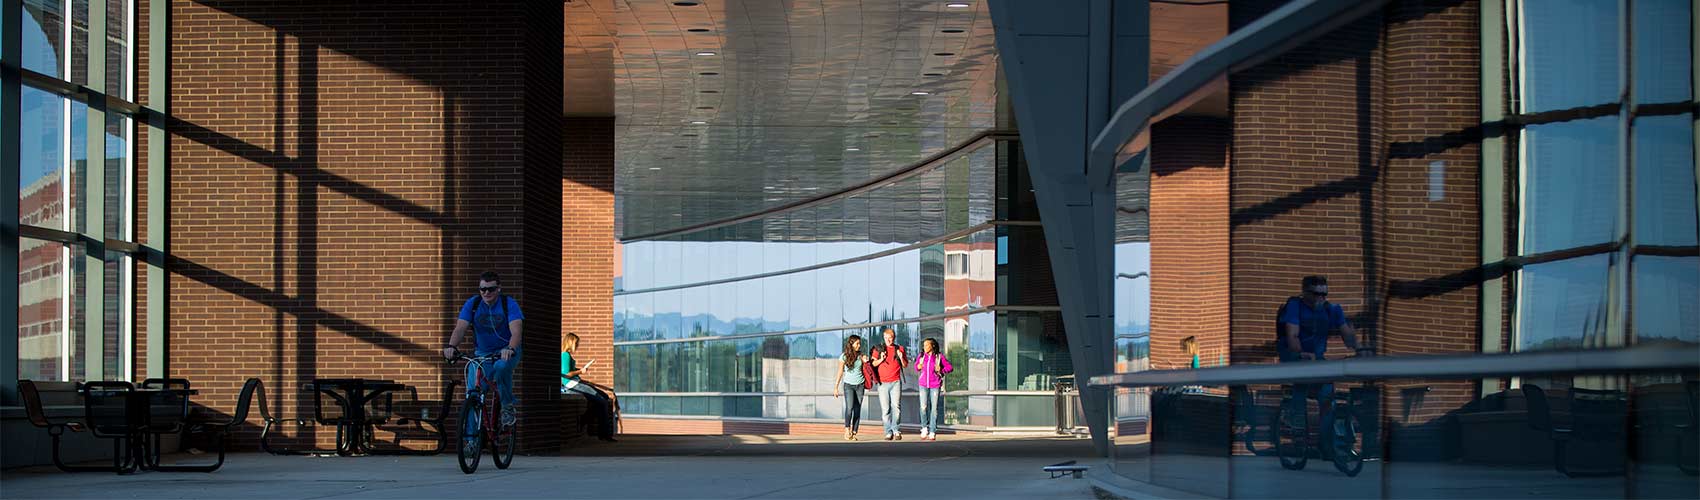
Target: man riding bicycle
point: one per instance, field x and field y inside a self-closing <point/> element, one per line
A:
<point x="495" y="319"/>
<point x="1305" y="322"/>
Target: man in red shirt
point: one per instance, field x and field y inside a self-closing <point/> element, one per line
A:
<point x="889" y="360"/>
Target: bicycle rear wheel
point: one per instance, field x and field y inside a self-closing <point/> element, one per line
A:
<point x="501" y="441"/>
<point x="1292" y="434"/>
<point x="471" y="443"/>
<point x="1348" y="449"/>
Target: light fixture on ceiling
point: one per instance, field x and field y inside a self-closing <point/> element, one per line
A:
<point x="705" y="107"/>
<point x="811" y="188"/>
<point x="932" y="74"/>
<point x="655" y="168"/>
<point x="957" y="5"/>
<point x="951" y="30"/>
<point x="699" y="122"/>
<point x="920" y="92"/>
<point x="772" y="199"/>
<point x="708" y="73"/>
<point x="706" y="53"/>
<point x="685" y="4"/>
<point x="944" y="54"/>
<point x="687" y="135"/>
<point x="852" y="149"/>
<point x="711" y="92"/>
<point x="698" y="30"/>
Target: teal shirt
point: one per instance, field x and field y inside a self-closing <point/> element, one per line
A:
<point x="567" y="365"/>
<point x="853" y="375"/>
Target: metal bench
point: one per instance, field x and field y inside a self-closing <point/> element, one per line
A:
<point x="1066" y="469"/>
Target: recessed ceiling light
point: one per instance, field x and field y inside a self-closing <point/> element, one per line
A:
<point x="685" y="4"/>
<point x="852" y="149"/>
<point x="772" y="199"/>
<point x="950" y="30"/>
<point x="699" y="122"/>
<point x="872" y="136"/>
<point x="706" y="53"/>
<point x="708" y="73"/>
<point x="811" y="188"/>
<point x="932" y="74"/>
<point x="705" y="107"/>
<point x="698" y="30"/>
<point x="920" y="92"/>
<point x="711" y="92"/>
<point x="655" y="168"/>
<point x="944" y="53"/>
<point x="677" y="215"/>
<point x="767" y="187"/>
<point x="957" y="5"/>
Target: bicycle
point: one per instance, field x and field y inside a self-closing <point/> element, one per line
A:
<point x="481" y="422"/>
<point x="1294" y="441"/>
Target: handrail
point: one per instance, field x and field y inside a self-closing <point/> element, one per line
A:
<point x="1464" y="366"/>
<point x="936" y="160"/>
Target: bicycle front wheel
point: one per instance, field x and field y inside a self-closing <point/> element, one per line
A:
<point x="501" y="442"/>
<point x="471" y="444"/>
<point x="1292" y="433"/>
<point x="1348" y="449"/>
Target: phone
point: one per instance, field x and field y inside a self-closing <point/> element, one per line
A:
<point x="587" y="364"/>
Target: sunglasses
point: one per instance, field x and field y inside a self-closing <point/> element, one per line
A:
<point x="489" y="288"/>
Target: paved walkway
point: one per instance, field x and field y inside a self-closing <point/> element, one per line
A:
<point x="636" y="467"/>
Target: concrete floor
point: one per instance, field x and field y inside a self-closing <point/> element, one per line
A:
<point x="636" y="467"/>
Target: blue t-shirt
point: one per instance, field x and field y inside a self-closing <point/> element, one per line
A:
<point x="488" y="327"/>
<point x="1314" y="325"/>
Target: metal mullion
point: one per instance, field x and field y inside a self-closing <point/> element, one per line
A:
<point x="94" y="202"/>
<point x="159" y="23"/>
<point x="1492" y="178"/>
<point x="11" y="26"/>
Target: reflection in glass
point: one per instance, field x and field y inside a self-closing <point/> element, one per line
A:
<point x="42" y="309"/>
<point x="1562" y="304"/>
<point x="41" y="195"/>
<point x="1663" y="46"/>
<point x="1667" y="299"/>
<point x="1664" y="180"/>
<point x="1569" y="176"/>
<point x="1570" y="54"/>
<point x="44" y="38"/>
<point x="118" y="48"/>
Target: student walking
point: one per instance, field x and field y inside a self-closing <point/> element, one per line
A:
<point x="932" y="366"/>
<point x="888" y="362"/>
<point x="852" y="383"/>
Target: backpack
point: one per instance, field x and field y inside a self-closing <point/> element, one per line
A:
<point x="889" y="357"/>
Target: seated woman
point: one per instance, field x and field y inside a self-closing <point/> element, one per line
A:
<point x="600" y="402"/>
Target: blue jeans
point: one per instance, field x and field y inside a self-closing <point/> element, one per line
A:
<point x="1322" y="393"/>
<point x="891" y="405"/>
<point x="931" y="401"/>
<point x="501" y="372"/>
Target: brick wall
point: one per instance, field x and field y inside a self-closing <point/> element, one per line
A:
<point x="1331" y="174"/>
<point x="1432" y="236"/>
<point x="1306" y="156"/>
<point x="587" y="253"/>
<point x="341" y="173"/>
<point x="1189" y="240"/>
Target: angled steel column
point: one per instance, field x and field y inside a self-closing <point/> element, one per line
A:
<point x="1068" y="65"/>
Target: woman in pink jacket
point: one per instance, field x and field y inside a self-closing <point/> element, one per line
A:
<point x="932" y="366"/>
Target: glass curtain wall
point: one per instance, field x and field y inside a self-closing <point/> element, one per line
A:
<point x="75" y="189"/>
<point x="1606" y="167"/>
<point x="749" y="319"/>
